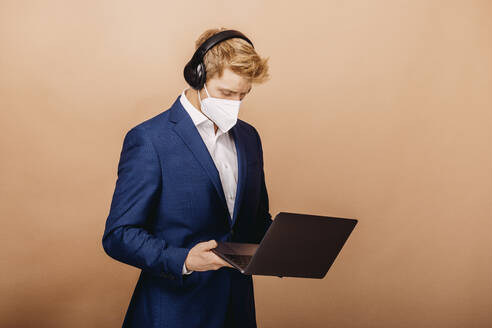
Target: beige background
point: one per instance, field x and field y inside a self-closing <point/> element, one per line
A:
<point x="377" y="110"/>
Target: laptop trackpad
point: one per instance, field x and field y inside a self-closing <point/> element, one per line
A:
<point x="226" y="247"/>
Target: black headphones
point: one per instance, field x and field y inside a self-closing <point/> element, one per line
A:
<point x="194" y="71"/>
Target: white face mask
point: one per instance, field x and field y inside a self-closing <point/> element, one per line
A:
<point x="222" y="112"/>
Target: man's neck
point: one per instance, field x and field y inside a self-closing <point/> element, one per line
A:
<point x="192" y="96"/>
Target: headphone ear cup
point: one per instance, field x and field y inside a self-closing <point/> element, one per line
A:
<point x="190" y="74"/>
<point x="195" y="75"/>
<point x="201" y="74"/>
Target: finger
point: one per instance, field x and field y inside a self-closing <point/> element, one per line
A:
<point x="204" y="245"/>
<point x="216" y="260"/>
<point x="225" y="263"/>
<point x="209" y="244"/>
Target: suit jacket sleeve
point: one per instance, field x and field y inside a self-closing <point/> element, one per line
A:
<point x="127" y="237"/>
<point x="263" y="216"/>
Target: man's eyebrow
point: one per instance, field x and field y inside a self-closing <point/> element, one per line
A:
<point x="232" y="91"/>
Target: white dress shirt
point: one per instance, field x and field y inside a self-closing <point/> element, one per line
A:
<point x="222" y="149"/>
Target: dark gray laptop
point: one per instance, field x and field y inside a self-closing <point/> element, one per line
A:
<point x="295" y="245"/>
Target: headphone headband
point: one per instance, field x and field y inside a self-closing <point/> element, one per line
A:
<point x="217" y="38"/>
<point x="194" y="71"/>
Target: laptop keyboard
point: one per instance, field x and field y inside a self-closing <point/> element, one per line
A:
<point x="241" y="260"/>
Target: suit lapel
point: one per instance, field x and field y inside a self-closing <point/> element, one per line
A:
<point x="239" y="140"/>
<point x="188" y="132"/>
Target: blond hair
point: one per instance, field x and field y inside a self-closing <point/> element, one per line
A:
<point x="237" y="55"/>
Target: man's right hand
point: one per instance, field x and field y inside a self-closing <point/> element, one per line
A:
<point x="201" y="258"/>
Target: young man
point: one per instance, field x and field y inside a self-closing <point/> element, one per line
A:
<point x="187" y="178"/>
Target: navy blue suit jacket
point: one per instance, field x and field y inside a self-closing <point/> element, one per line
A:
<point x="168" y="197"/>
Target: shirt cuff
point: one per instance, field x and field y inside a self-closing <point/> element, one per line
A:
<point x="184" y="271"/>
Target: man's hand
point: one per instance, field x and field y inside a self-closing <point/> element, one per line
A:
<point x="201" y="258"/>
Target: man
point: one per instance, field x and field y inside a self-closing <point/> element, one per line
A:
<point x="187" y="178"/>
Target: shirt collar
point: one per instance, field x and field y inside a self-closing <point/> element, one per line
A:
<point x="196" y="116"/>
